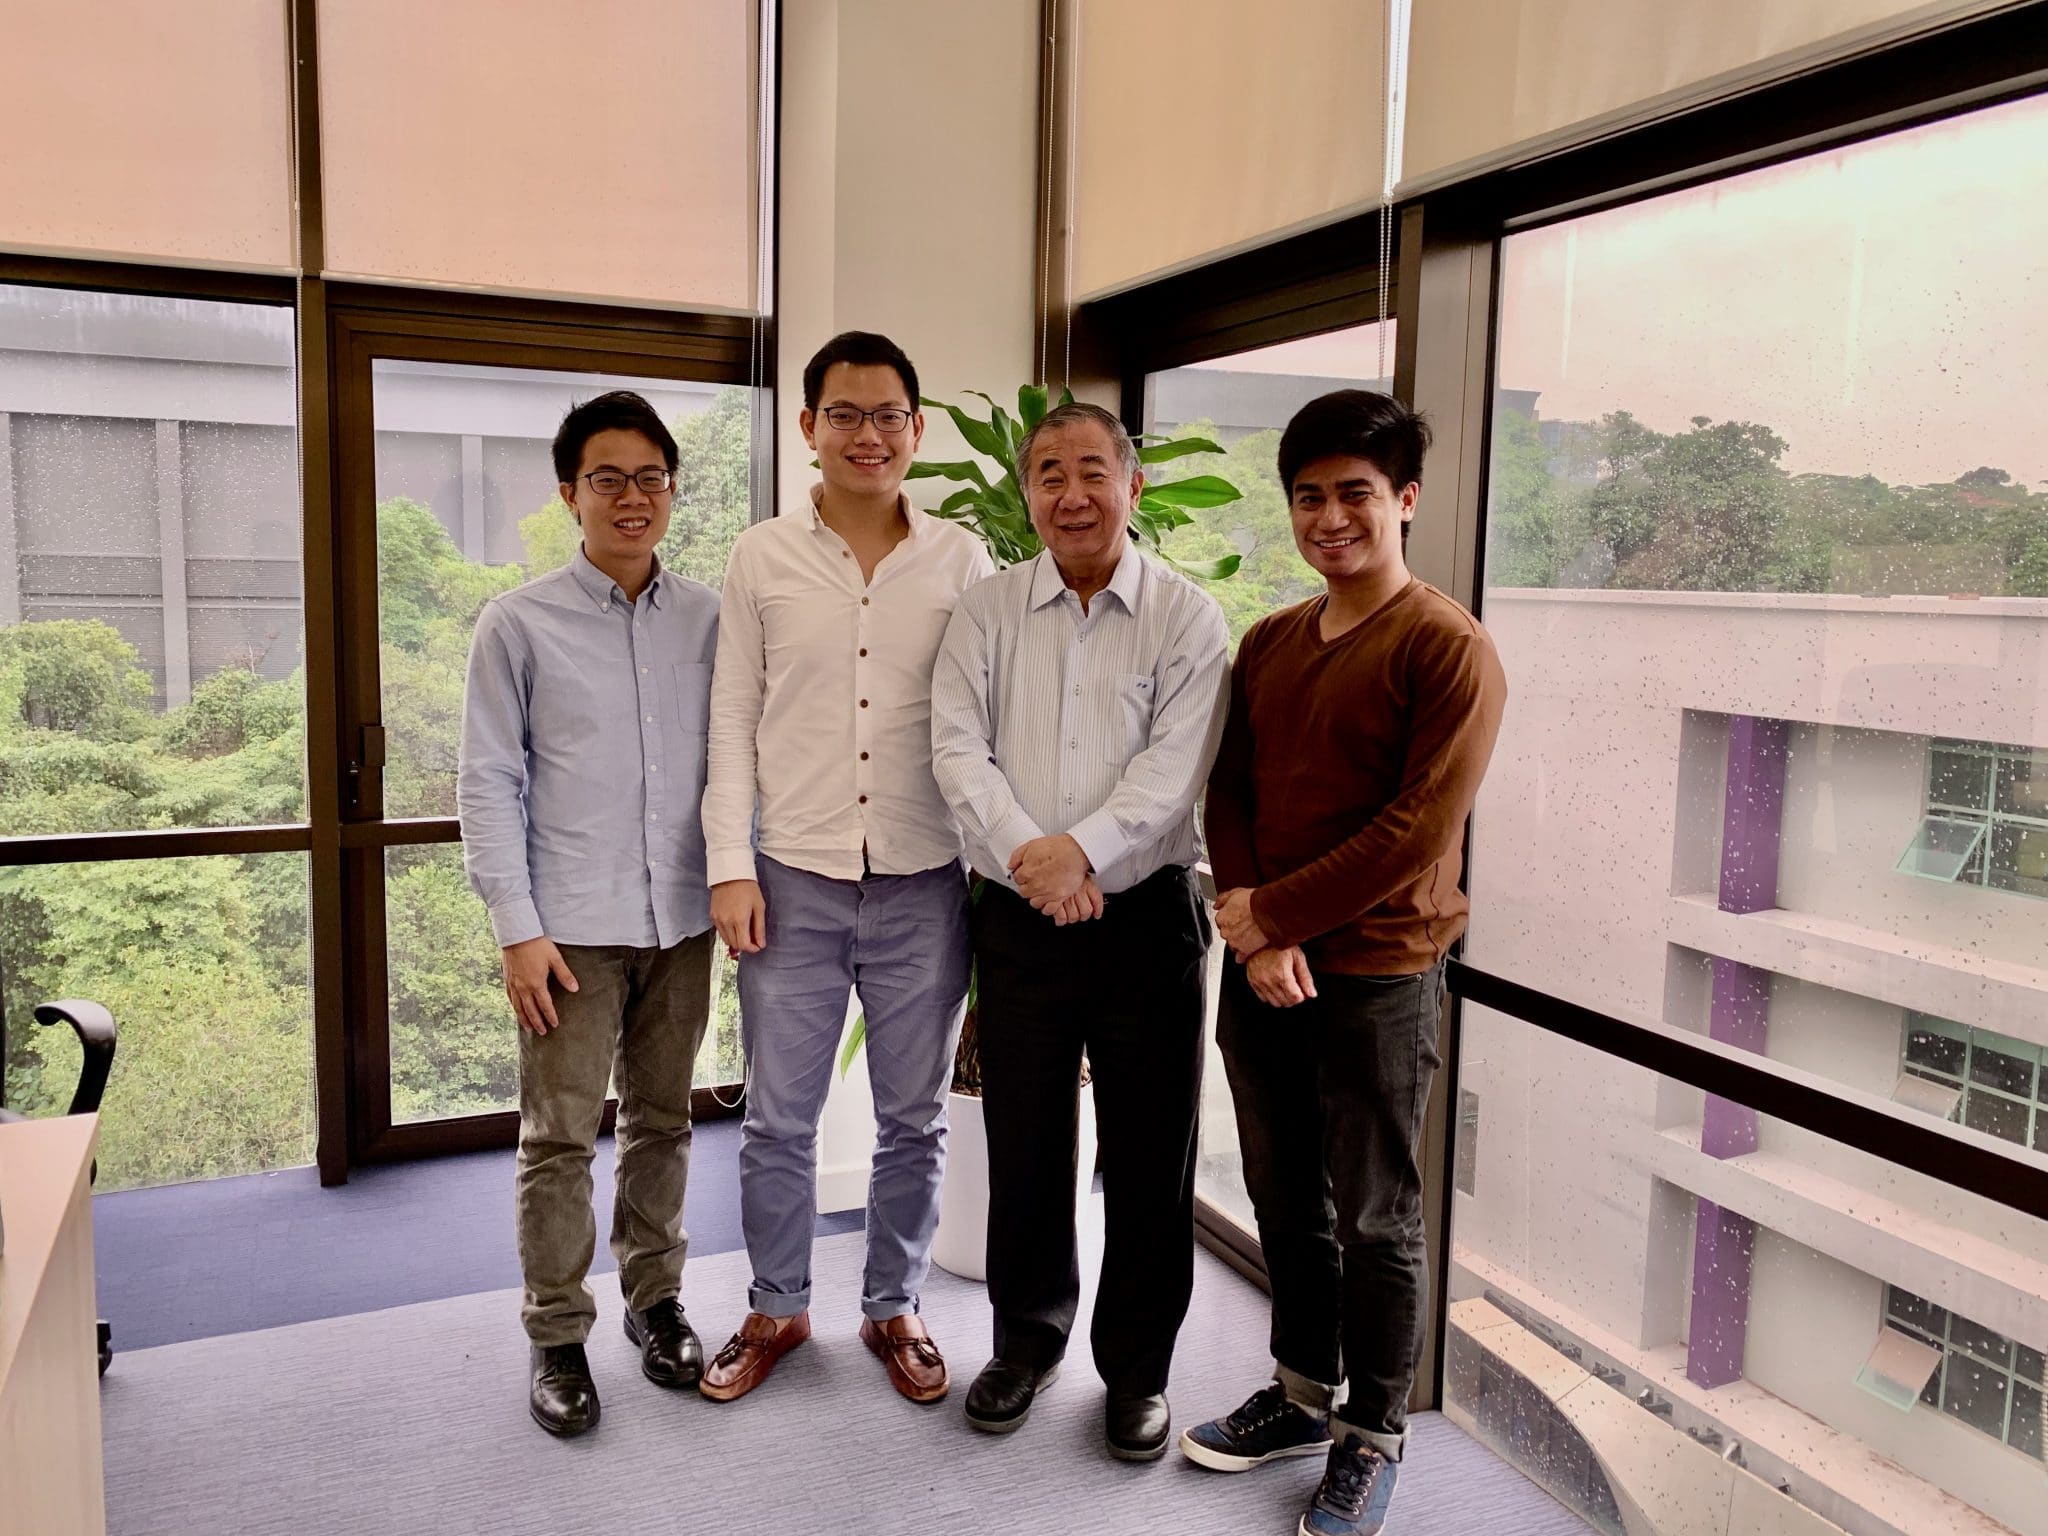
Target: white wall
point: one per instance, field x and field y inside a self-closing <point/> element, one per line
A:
<point x="909" y="169"/>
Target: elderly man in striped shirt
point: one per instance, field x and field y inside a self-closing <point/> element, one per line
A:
<point x="1076" y="708"/>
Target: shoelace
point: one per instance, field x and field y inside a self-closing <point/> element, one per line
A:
<point x="1260" y="1409"/>
<point x="1348" y="1482"/>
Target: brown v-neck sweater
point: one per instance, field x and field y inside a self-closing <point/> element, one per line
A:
<point x="1345" y="775"/>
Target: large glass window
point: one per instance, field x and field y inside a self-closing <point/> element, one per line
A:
<point x="150" y="622"/>
<point x="203" y="963"/>
<point x="1767" y="553"/>
<point x="1987" y="817"/>
<point x="467" y="507"/>
<point x="1998" y="1082"/>
<point x="1241" y="403"/>
<point x="454" y="1045"/>
<point x="1983" y="1378"/>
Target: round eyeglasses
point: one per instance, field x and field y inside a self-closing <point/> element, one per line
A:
<point x="612" y="482"/>
<point x="846" y="418"/>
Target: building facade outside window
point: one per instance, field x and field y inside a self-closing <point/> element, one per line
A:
<point x="1987" y="817"/>
<point x="1999" y="1080"/>
<point x="1985" y="1379"/>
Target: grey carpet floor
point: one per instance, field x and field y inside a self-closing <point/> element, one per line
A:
<point x="414" y="1420"/>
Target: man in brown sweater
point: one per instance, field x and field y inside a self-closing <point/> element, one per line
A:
<point x="1360" y="726"/>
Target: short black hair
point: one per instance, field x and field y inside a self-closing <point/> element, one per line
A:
<point x="620" y="410"/>
<point x="863" y="349"/>
<point x="1360" y="424"/>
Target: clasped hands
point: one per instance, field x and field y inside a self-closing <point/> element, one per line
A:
<point x="1052" y="874"/>
<point x="1279" y="976"/>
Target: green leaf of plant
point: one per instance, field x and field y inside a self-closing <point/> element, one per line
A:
<point x="1031" y="405"/>
<point x="855" y="1038"/>
<point x="1164" y="515"/>
<point x="1207" y="570"/>
<point x="1196" y="491"/>
<point x="957" y="469"/>
<point x="1160" y="452"/>
<point x="1066" y="397"/>
<point x="1008" y="433"/>
<point x="966" y="496"/>
<point x="980" y="435"/>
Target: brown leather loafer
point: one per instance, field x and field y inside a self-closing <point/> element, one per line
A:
<point x="750" y="1354"/>
<point x="915" y="1365"/>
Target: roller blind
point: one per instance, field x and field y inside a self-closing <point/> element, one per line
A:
<point x="1491" y="82"/>
<point x="1207" y="125"/>
<point x="143" y="131"/>
<point x="604" y="149"/>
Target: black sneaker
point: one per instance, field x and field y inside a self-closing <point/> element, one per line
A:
<point x="1266" y="1428"/>
<point x="1357" y="1488"/>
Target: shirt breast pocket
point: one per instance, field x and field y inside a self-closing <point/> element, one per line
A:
<point x="690" y="703"/>
<point x="1132" y="723"/>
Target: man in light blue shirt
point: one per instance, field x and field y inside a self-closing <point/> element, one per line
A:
<point x="583" y="750"/>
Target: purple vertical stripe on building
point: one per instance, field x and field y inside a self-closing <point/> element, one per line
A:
<point x="1752" y="819"/>
<point x="1752" y="812"/>
<point x="1724" y="1244"/>
<point x="1741" y="1017"/>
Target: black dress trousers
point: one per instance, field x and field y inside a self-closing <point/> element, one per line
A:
<point x="1126" y="988"/>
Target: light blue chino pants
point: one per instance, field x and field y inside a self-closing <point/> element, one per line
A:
<point x="900" y="942"/>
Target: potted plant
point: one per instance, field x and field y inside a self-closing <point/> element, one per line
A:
<point x="993" y="506"/>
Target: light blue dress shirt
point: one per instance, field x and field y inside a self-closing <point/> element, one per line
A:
<point x="1101" y="725"/>
<point x="583" y="747"/>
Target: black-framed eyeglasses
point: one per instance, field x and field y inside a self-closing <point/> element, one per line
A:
<point x="846" y="418"/>
<point x="612" y="482"/>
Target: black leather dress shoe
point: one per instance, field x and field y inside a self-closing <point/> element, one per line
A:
<point x="564" y="1398"/>
<point x="671" y="1354"/>
<point x="1000" y="1399"/>
<point x="1136" y="1428"/>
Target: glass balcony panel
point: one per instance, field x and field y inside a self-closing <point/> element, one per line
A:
<point x="1702" y="1325"/>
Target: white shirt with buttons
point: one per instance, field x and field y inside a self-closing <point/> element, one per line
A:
<point x="821" y="700"/>
<point x="1102" y="725"/>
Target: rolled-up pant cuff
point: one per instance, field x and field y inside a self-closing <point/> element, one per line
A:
<point x="778" y="1303"/>
<point x="1305" y="1392"/>
<point x="1390" y="1446"/>
<point x="882" y="1311"/>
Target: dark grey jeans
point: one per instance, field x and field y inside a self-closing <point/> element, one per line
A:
<point x="1330" y="1097"/>
<point x="637" y="1017"/>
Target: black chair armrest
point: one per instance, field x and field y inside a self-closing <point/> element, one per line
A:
<point x="96" y="1033"/>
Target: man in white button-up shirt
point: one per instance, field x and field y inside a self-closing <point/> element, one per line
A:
<point x="821" y="729"/>
<point x="1075" y="712"/>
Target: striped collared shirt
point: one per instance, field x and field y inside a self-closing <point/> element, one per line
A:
<point x="1101" y="725"/>
<point x="583" y="758"/>
<point x="821" y="714"/>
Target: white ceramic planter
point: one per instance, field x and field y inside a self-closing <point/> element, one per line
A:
<point x="961" y="1247"/>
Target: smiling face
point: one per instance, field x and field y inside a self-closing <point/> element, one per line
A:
<point x="863" y="460"/>
<point x="619" y="530"/>
<point x="1080" y="498"/>
<point x="1348" y="519"/>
